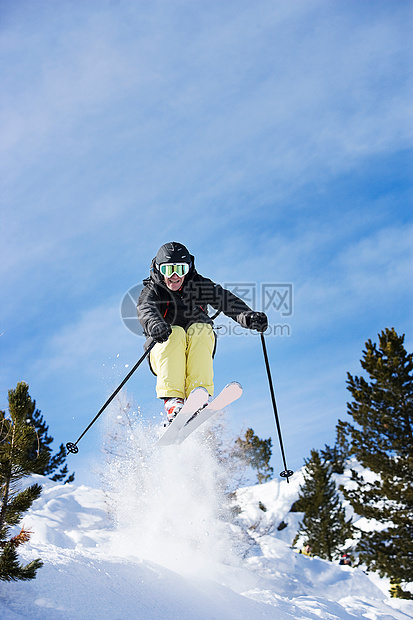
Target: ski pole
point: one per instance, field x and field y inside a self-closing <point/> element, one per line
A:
<point x="72" y="447"/>
<point x="287" y="472"/>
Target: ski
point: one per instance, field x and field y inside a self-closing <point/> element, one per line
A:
<point x="197" y="399"/>
<point x="190" y="421"/>
<point x="228" y="395"/>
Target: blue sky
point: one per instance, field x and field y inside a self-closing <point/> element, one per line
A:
<point x="273" y="138"/>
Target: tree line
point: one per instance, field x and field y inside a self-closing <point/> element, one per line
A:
<point x="25" y="449"/>
<point x="379" y="438"/>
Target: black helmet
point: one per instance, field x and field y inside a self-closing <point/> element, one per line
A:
<point x="172" y="252"/>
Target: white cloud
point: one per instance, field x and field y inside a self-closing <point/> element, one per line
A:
<point x="97" y="334"/>
<point x="369" y="277"/>
<point x="251" y="79"/>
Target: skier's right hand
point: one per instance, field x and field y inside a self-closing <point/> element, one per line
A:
<point x="160" y="332"/>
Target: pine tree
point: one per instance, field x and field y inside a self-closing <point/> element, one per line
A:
<point x="255" y="452"/>
<point x="382" y="441"/>
<point x="17" y="461"/>
<point x="44" y="440"/>
<point x="338" y="454"/>
<point x="324" y="525"/>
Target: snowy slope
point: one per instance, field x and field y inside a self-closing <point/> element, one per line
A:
<point x="311" y="586"/>
<point x="165" y="551"/>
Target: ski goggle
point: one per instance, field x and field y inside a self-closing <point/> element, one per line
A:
<point x="168" y="269"/>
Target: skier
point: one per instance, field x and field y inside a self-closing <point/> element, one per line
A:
<point x="307" y="550"/>
<point x="172" y="310"/>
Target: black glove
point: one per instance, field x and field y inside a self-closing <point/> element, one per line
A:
<point x="160" y="332"/>
<point x="255" y="320"/>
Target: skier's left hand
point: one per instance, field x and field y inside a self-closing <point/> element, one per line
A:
<point x="255" y="320"/>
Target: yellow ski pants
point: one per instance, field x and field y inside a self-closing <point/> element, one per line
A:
<point x="184" y="361"/>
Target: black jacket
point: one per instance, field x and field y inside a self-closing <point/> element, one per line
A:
<point x="157" y="303"/>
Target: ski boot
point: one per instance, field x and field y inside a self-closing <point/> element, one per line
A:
<point x="172" y="407"/>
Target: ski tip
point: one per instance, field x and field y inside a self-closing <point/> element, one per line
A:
<point x="200" y="388"/>
<point x="234" y="383"/>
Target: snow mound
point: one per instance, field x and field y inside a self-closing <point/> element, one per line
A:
<point x="157" y="546"/>
<point x="306" y="587"/>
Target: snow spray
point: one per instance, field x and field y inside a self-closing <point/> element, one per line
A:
<point x="168" y="503"/>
